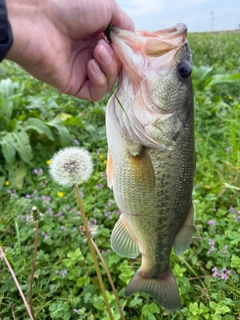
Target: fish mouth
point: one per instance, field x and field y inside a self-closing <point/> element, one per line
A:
<point x="171" y="33"/>
<point x="152" y="44"/>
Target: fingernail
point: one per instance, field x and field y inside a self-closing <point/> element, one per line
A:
<point x="95" y="67"/>
<point x="104" y="55"/>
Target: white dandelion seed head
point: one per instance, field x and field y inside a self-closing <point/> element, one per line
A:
<point x="71" y="165"/>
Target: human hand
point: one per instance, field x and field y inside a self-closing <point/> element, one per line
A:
<point x="61" y="42"/>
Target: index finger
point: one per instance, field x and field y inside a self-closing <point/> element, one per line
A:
<point x="121" y="20"/>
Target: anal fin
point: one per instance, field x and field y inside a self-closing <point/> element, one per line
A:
<point x="184" y="237"/>
<point x="122" y="241"/>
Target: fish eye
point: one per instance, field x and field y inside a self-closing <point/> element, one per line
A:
<point x="184" y="69"/>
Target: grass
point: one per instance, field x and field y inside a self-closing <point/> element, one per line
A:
<point x="65" y="283"/>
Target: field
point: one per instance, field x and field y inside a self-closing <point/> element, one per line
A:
<point x="36" y="121"/>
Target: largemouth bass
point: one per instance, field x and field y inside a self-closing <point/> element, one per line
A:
<point x="151" y="164"/>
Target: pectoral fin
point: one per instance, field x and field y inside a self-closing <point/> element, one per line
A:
<point x="184" y="237"/>
<point x="122" y="241"/>
<point x="109" y="170"/>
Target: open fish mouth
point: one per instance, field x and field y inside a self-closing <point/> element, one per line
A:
<point x="152" y="44"/>
<point x="168" y="33"/>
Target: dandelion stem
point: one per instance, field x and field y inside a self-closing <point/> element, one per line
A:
<point x="92" y="250"/>
<point x="16" y="282"/>
<point x="33" y="268"/>
<point x="110" y="279"/>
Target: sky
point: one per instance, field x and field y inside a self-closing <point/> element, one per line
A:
<point x="199" y="15"/>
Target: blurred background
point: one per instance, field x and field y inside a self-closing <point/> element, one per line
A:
<point x="199" y="15"/>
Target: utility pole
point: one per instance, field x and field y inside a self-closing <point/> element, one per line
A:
<point x="212" y="21"/>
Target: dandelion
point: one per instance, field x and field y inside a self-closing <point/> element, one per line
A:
<point x="48" y="162"/>
<point x="105" y="161"/>
<point x="6" y="183"/>
<point x="71" y="165"/>
<point x="68" y="167"/>
<point x="60" y="194"/>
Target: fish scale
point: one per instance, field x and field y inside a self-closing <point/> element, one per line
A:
<point x="149" y="121"/>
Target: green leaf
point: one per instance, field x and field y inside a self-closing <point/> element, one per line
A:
<point x="63" y="132"/>
<point x="6" y="109"/>
<point x="52" y="104"/>
<point x="229" y="317"/>
<point x="76" y="255"/>
<point x="219" y="308"/>
<point x="224" y="78"/>
<point x="146" y="311"/>
<point x="7" y="88"/>
<point x="22" y="144"/>
<point x="16" y="174"/>
<point x="202" y="72"/>
<point x="39" y="126"/>
<point x="6" y="94"/>
<point x="235" y="262"/>
<point x="8" y="149"/>
<point x="2" y="181"/>
<point x="74" y="121"/>
<point x="83" y="281"/>
<point x="154" y="308"/>
<point x="39" y="104"/>
<point x="216" y="317"/>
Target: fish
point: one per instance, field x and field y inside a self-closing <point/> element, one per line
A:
<point x="151" y="159"/>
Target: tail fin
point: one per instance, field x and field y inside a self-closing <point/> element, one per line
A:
<point x="163" y="289"/>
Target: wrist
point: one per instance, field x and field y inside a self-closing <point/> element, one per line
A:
<point x="6" y="38"/>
